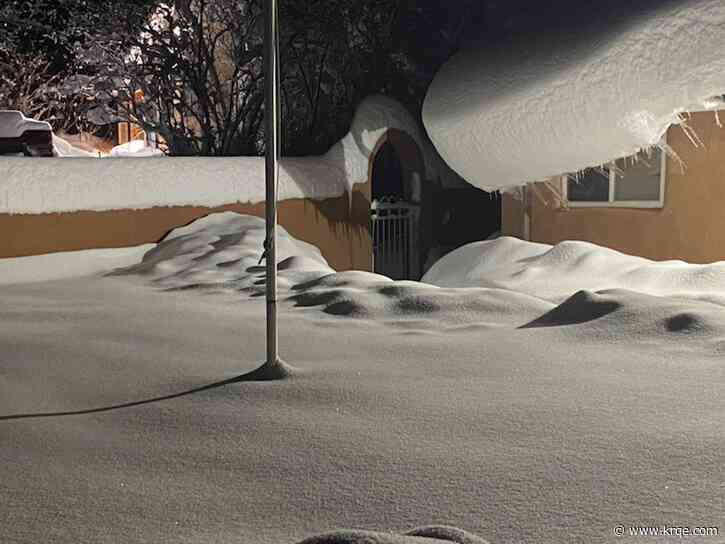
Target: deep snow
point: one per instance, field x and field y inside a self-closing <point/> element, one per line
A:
<point x="518" y="418"/>
<point x="577" y="96"/>
<point x="555" y="272"/>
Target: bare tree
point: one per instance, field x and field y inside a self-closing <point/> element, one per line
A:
<point x="27" y="84"/>
<point x="190" y="71"/>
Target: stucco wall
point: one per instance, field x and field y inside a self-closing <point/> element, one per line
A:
<point x="337" y="226"/>
<point x="690" y="226"/>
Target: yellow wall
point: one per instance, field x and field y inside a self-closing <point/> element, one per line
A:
<point x="690" y="226"/>
<point x="339" y="227"/>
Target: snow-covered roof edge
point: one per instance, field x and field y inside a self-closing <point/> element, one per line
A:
<point x="577" y="99"/>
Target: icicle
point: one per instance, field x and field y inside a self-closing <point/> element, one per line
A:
<point x="690" y="133"/>
<point x="667" y="150"/>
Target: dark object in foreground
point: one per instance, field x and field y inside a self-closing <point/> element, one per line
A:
<point x="433" y="534"/>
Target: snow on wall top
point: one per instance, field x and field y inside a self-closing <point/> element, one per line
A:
<point x="579" y="98"/>
<point x="13" y="123"/>
<point x="71" y="184"/>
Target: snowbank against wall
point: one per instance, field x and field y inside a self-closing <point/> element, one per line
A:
<point x="75" y="203"/>
<point x="579" y="97"/>
<point x="554" y="273"/>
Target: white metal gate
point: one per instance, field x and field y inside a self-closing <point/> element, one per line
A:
<point x="394" y="226"/>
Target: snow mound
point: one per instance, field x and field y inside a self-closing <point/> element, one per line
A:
<point x="223" y="251"/>
<point x="619" y="316"/>
<point x="63" y="148"/>
<point x="423" y="535"/>
<point x="422" y="305"/>
<point x="581" y="97"/>
<point x="556" y="272"/>
<point x="137" y="149"/>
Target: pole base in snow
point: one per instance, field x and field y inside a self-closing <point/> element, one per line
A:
<point x="276" y="370"/>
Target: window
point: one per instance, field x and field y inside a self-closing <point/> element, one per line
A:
<point x="634" y="182"/>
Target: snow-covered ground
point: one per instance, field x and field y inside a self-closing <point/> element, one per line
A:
<point x="517" y="417"/>
<point x="579" y="95"/>
<point x="63" y="148"/>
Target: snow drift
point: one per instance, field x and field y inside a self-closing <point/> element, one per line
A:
<point x="223" y="252"/>
<point x="63" y="148"/>
<point x="579" y="97"/>
<point x="73" y="184"/>
<point x="556" y="272"/>
<point x="136" y="149"/>
<point x="69" y="264"/>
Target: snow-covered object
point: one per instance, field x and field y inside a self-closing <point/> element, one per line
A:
<point x="13" y="124"/>
<point x="580" y="97"/>
<point x="63" y="148"/>
<point x="137" y="149"/>
<point x="78" y="184"/>
<point x="556" y="272"/>
<point x="226" y="249"/>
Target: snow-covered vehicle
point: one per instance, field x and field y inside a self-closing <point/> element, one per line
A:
<point x="20" y="135"/>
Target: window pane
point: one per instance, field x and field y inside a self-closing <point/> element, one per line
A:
<point x="589" y="186"/>
<point x="640" y="177"/>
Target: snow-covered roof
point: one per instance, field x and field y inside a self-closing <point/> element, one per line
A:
<point x="579" y="98"/>
<point x="72" y="184"/>
<point x="13" y="124"/>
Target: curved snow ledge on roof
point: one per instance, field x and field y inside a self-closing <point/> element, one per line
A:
<point x="578" y="97"/>
<point x="72" y="184"/>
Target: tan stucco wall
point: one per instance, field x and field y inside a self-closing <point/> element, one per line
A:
<point x="512" y="216"/>
<point x="690" y="226"/>
<point x="338" y="227"/>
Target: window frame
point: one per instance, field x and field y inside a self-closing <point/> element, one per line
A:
<point x="612" y="203"/>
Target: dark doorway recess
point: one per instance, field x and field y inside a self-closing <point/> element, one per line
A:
<point x="387" y="174"/>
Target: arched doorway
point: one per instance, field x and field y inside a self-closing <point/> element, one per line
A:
<point x="396" y="180"/>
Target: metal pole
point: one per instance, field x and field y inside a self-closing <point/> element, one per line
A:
<point x="272" y="154"/>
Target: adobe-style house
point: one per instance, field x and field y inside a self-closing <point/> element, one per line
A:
<point x="381" y="199"/>
<point x="660" y="206"/>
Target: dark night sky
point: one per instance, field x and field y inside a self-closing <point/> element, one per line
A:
<point x="497" y="21"/>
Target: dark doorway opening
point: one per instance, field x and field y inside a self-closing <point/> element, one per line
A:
<point x="387" y="174"/>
